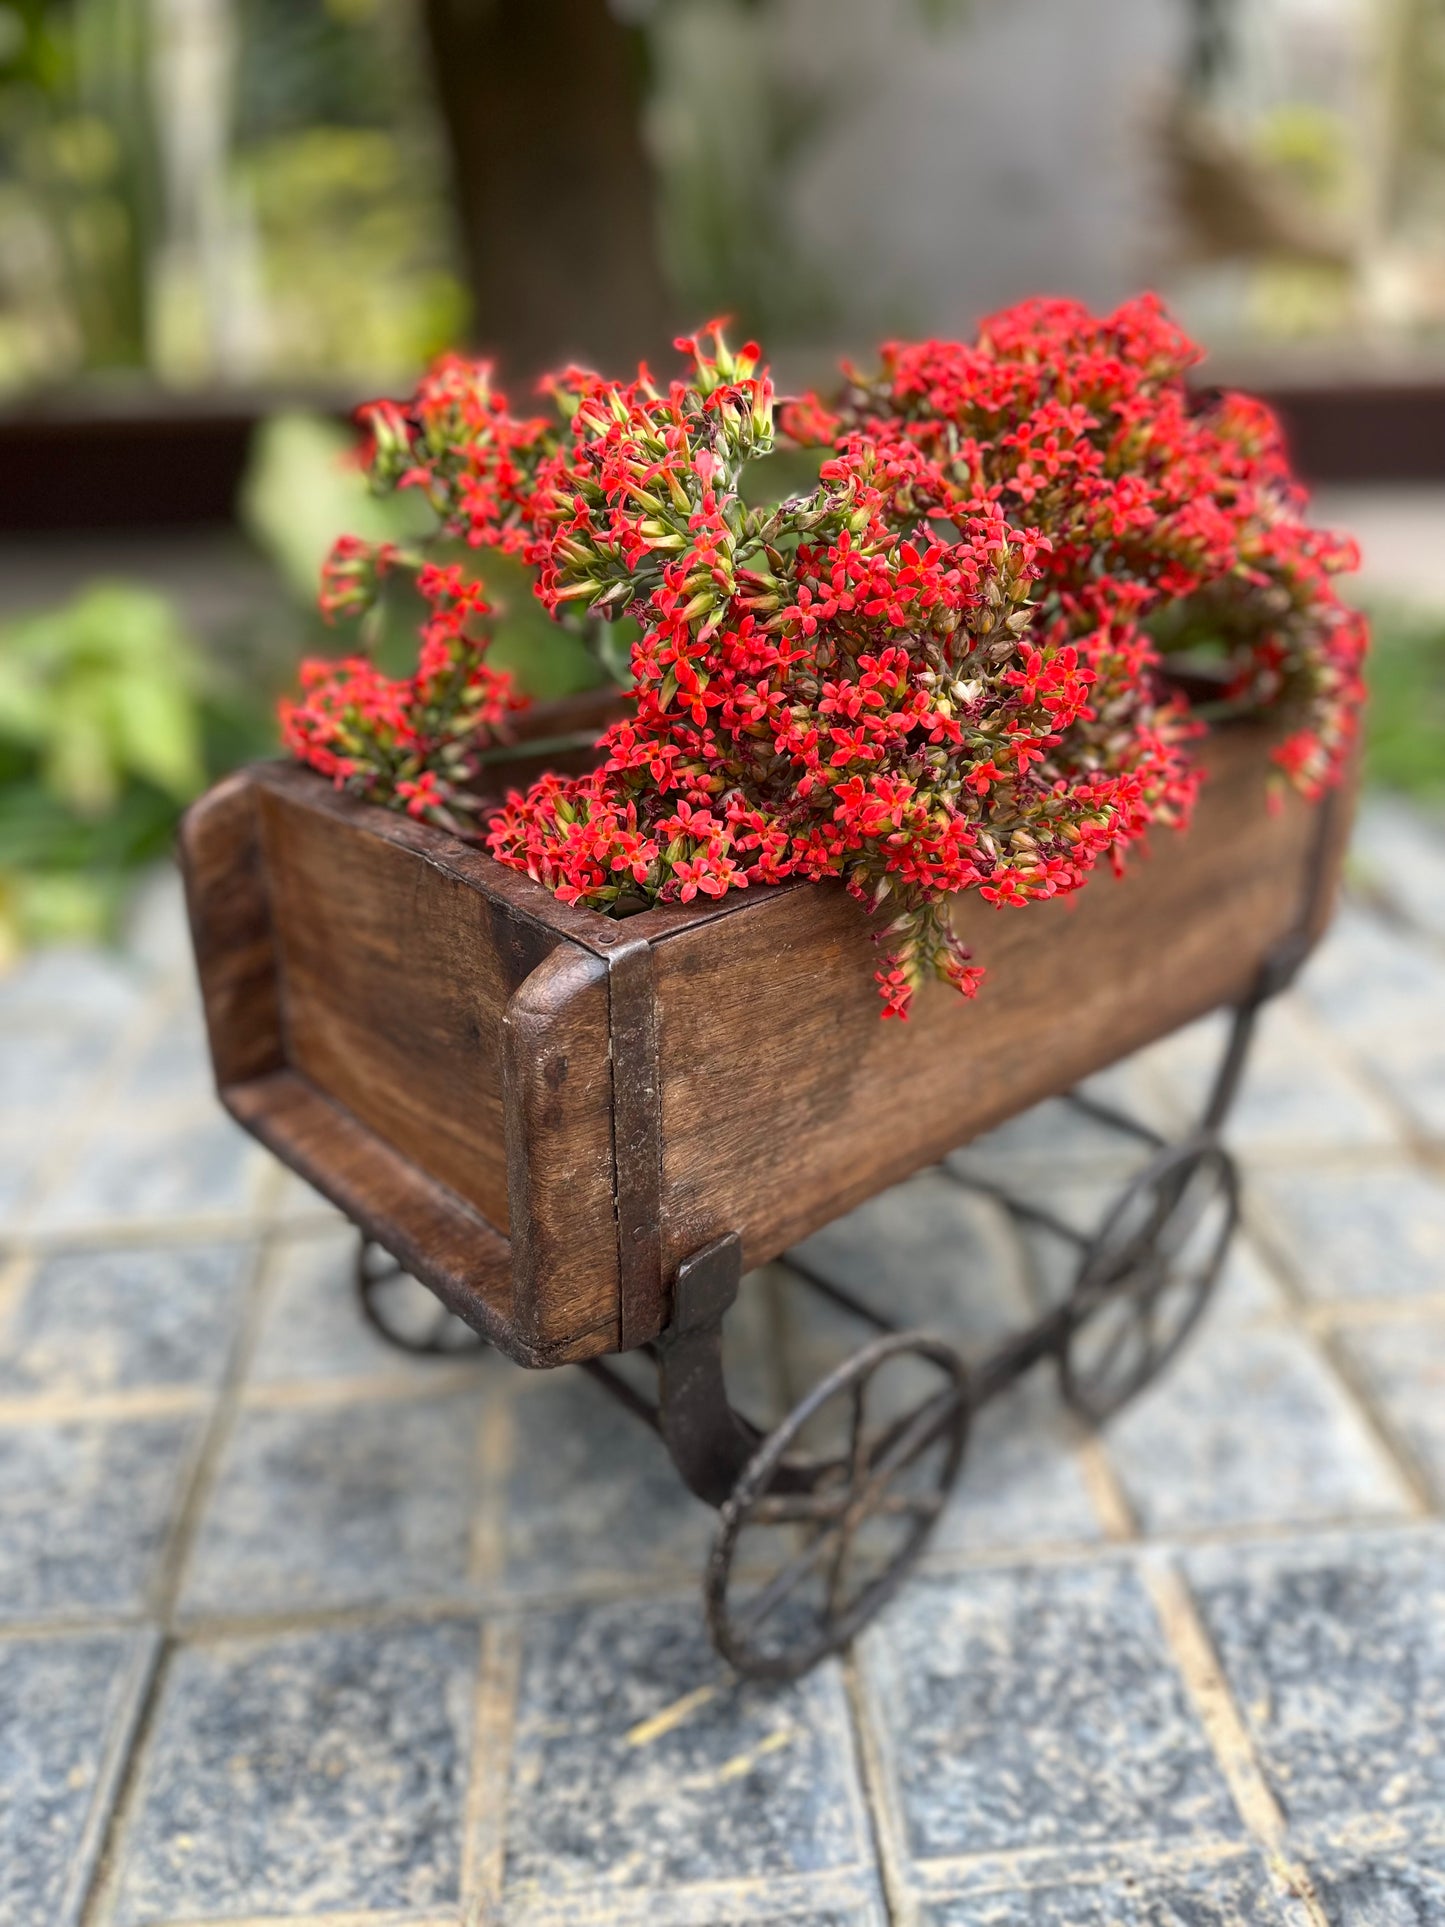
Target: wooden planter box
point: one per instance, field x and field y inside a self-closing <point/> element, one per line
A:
<point x="542" y="1112"/>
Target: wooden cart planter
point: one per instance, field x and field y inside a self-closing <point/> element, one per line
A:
<point x="579" y="1132"/>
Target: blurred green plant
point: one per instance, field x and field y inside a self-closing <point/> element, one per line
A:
<point x="1405" y="719"/>
<point x="304" y="488"/>
<point x="109" y="724"/>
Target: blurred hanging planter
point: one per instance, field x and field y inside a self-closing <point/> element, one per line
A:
<point x="551" y="1008"/>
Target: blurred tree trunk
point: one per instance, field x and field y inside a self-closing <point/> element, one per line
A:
<point x="542" y="105"/>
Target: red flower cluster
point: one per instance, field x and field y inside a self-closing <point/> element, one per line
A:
<point x="414" y="740"/>
<point x="941" y="669"/>
<point x="1167" y="511"/>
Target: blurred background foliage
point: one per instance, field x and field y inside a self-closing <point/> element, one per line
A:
<point x="1405" y="741"/>
<point x="306" y="199"/>
<point x="109" y="722"/>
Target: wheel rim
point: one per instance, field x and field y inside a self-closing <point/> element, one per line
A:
<point x="1147" y="1276"/>
<point x="392" y="1304"/>
<point x="822" y="1583"/>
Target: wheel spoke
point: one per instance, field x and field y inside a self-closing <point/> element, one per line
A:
<point x="1185" y="1200"/>
<point x="847" y="1572"/>
<point x="1117" y="1339"/>
<point x="909" y="1437"/>
<point x="783" y="1583"/>
<point x="838" y="1567"/>
<point x="798" y="1508"/>
<point x="903" y="1505"/>
<point x="858" y="1437"/>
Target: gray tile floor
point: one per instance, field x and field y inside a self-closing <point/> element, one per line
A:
<point x="293" y="1628"/>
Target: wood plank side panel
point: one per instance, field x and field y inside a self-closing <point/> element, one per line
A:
<point x="786" y="1100"/>
<point x="219" y="845"/>
<point x="393" y="987"/>
<point x="428" y="1229"/>
<point x="556" y="1038"/>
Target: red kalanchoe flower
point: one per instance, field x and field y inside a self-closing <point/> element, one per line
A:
<point x="946" y="667"/>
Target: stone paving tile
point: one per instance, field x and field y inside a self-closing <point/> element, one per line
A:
<point x="143" y="1170"/>
<point x="312" y="1328"/>
<point x="1038" y="1708"/>
<point x="1379" y="1874"/>
<point x="301" y="1204"/>
<point x="1400" y="847"/>
<point x="867" y="1915"/>
<point x="591" y="1493"/>
<point x="22" y="1160"/>
<point x="48" y="1066"/>
<point x="1410" y="1064"/>
<point x="642" y="1767"/>
<point x="155" y="931"/>
<point x="66" y="1708"/>
<point x="1403" y="1365"/>
<point x="1382" y="992"/>
<point x="928" y="1253"/>
<point x="305" y="1773"/>
<point x="349" y="1505"/>
<point x="1249" y="1426"/>
<point x="1370" y="976"/>
<point x="1217" y="1892"/>
<point x="102" y="1321"/>
<point x="174" y="1066"/>
<point x="1358" y="1232"/>
<point x="89" y="987"/>
<point x="1246" y="1288"/>
<point x="1335" y="1651"/>
<point x="1295" y="1096"/>
<point x="85" y="1506"/>
<point x="1022" y="1483"/>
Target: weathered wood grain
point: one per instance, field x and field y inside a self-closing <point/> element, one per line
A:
<point x="219" y="846"/>
<point x="392" y="988"/>
<point x="453" y="1055"/>
<point x="557" y="1075"/>
<point x="425" y="1226"/>
<point x="786" y="1101"/>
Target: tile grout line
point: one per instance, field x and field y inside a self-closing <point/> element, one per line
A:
<point x="885" y="1821"/>
<point x="130" y="1402"/>
<point x="1401" y="1456"/>
<point x="484" y="1815"/>
<point x="16" y="1271"/>
<point x="1344" y="1314"/>
<point x="1345" y="1058"/>
<point x="102" y="1896"/>
<point x="404" y="1917"/>
<point x="610" y="1589"/>
<point x="1227" y="1732"/>
<point x="115" y="1759"/>
<point x="1106" y="1490"/>
<point x="1418" y="1142"/>
<point x="493" y="1455"/>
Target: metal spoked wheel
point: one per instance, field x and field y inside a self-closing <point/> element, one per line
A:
<point x="1147" y="1276"/>
<point x="808" y="1550"/>
<point x="404" y="1313"/>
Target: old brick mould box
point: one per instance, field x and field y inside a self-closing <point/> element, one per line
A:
<point x="541" y="1111"/>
